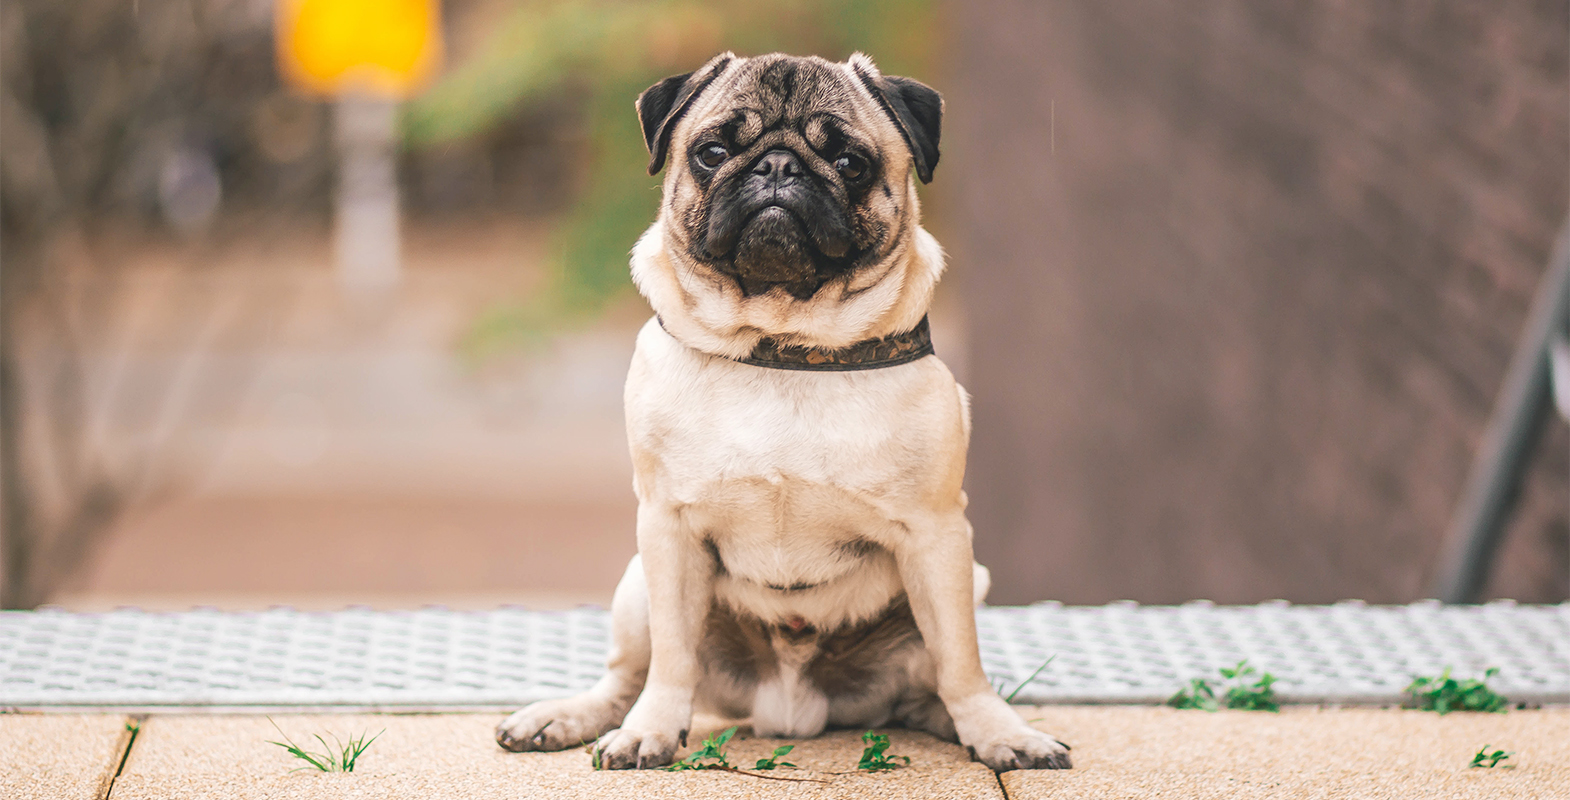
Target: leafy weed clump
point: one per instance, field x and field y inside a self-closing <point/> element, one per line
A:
<point x="1445" y="694"/>
<point x="1486" y="760"/>
<point x="1243" y="691"/>
<point x="339" y="756"/>
<point x="1197" y="694"/>
<point x="875" y="756"/>
<point x="711" y="755"/>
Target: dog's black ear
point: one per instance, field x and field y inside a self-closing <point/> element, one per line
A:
<point x="661" y="106"/>
<point x="919" y="110"/>
<point x="916" y="108"/>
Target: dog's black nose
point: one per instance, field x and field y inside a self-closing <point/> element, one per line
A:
<point x="778" y="165"/>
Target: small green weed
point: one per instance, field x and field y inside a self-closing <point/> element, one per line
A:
<point x="875" y="757"/>
<point x="998" y="687"/>
<point x="774" y="762"/>
<point x="1483" y="758"/>
<point x="1250" y="695"/>
<point x="1243" y="691"/>
<point x="1445" y="694"/>
<point x="340" y="756"/>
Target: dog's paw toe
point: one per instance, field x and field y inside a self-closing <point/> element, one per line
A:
<point x="556" y="724"/>
<point x="1028" y="749"/>
<point x="529" y="730"/>
<point x="519" y="741"/>
<point x="627" y="749"/>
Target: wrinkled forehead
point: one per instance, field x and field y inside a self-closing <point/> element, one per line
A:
<point x="781" y="92"/>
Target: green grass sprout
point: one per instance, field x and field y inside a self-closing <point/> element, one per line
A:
<point x="773" y="761"/>
<point x="339" y="756"/>
<point x="1445" y="694"/>
<point x="1486" y="760"/>
<point x="998" y="687"/>
<point x="875" y="757"/>
<point x="1244" y="691"/>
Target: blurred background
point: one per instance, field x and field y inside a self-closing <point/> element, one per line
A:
<point x="299" y="308"/>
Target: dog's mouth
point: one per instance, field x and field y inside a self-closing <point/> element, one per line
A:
<point x="774" y="247"/>
<point x="792" y="237"/>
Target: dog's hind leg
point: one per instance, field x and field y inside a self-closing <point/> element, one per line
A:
<point x="582" y="718"/>
<point x="925" y="712"/>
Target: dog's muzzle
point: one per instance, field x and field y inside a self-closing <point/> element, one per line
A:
<point x="776" y="223"/>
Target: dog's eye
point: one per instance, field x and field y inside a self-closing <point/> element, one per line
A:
<point x="712" y="156"/>
<point x="851" y="166"/>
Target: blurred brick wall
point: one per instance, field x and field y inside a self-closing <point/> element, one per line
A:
<point x="1242" y="279"/>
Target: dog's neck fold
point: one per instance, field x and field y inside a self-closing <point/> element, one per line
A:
<point x="709" y="312"/>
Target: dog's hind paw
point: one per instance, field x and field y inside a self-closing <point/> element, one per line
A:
<point x="558" y="724"/>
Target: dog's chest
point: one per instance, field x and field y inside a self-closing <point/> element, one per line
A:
<point x="761" y="456"/>
<point x="814" y="444"/>
<point x="784" y="483"/>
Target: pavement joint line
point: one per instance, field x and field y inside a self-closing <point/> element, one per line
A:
<point x="123" y="745"/>
<point x="1002" y="789"/>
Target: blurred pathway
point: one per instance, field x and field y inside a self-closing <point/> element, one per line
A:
<point x="367" y="461"/>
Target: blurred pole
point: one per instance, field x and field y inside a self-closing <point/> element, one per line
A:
<point x="366" y="237"/>
<point x="1559" y="359"/>
<point x="1494" y="483"/>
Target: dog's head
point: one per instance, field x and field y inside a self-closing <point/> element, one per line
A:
<point x="787" y="173"/>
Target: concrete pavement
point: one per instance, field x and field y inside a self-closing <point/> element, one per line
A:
<point x="47" y="757"/>
<point x="1128" y="753"/>
<point x="1119" y="752"/>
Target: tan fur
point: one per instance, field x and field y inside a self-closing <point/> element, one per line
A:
<point x="788" y="512"/>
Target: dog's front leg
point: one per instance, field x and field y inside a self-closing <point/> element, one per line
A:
<point x="936" y="565"/>
<point x="680" y="577"/>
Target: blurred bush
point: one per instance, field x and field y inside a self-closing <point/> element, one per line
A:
<point x="589" y="60"/>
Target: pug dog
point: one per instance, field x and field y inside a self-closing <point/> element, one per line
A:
<point x="798" y="451"/>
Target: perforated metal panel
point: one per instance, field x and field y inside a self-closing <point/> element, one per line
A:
<point x="439" y="659"/>
<point x="1344" y="653"/>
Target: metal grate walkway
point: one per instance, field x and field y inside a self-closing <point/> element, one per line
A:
<point x="438" y="659"/>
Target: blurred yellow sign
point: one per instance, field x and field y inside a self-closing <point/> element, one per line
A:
<point x="380" y="47"/>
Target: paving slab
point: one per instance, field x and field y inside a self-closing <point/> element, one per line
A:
<point x="441" y="756"/>
<point x="59" y="756"/>
<point x="1131" y="753"/>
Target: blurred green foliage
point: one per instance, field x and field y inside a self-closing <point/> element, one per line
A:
<point x="611" y="51"/>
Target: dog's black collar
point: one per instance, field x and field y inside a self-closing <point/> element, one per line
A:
<point x="889" y="351"/>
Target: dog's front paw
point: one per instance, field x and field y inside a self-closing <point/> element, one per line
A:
<point x="625" y="748"/>
<point x="558" y="724"/>
<point x="1022" y="748"/>
<point x="998" y="737"/>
